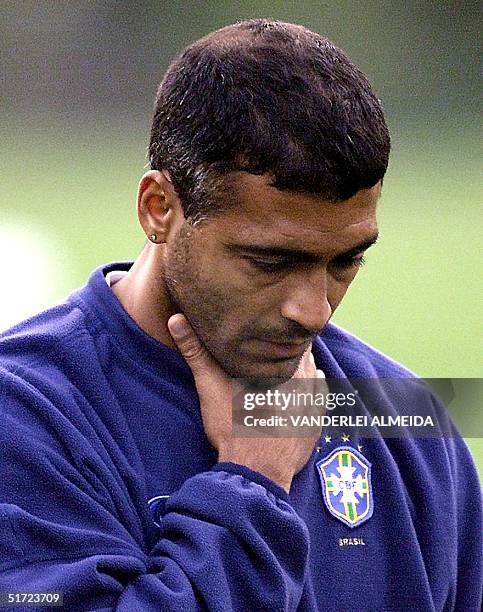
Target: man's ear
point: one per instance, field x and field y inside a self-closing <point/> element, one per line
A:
<point x="159" y="209"/>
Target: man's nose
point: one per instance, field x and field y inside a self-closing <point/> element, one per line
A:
<point x="306" y="302"/>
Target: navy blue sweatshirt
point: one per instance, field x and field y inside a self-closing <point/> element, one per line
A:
<point x="111" y="493"/>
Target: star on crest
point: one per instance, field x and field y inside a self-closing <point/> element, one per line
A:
<point x="359" y="447"/>
<point x="328" y="439"/>
<point x="345" y="438"/>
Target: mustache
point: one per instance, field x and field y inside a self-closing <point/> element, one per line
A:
<point x="295" y="334"/>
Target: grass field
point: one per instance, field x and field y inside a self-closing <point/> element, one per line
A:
<point x="68" y="205"/>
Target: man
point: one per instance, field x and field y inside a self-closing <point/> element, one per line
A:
<point x="122" y="485"/>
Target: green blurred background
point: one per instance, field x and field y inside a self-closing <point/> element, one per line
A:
<point x="78" y="83"/>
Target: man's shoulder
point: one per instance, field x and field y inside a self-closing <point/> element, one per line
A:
<point x="49" y="372"/>
<point x="48" y="335"/>
<point x="358" y="358"/>
<point x="43" y="356"/>
<point x="42" y="336"/>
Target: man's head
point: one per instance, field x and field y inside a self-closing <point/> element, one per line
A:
<point x="267" y="97"/>
<point x="267" y="150"/>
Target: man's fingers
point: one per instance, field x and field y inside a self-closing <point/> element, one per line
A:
<point x="188" y="343"/>
<point x="306" y="367"/>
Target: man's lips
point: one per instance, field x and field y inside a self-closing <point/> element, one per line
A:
<point x="280" y="350"/>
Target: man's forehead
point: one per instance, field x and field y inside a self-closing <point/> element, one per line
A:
<point x="255" y="195"/>
<point x="261" y="212"/>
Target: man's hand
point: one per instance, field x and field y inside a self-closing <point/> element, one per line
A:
<point x="277" y="458"/>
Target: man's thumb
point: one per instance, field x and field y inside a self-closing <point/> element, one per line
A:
<point x="187" y="341"/>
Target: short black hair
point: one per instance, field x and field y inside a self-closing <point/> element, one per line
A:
<point x="267" y="97"/>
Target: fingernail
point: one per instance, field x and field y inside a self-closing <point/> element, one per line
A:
<point x="178" y="327"/>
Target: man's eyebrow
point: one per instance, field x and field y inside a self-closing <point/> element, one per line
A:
<point x="361" y="247"/>
<point x="297" y="254"/>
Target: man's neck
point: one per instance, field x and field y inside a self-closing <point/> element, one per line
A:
<point x="142" y="293"/>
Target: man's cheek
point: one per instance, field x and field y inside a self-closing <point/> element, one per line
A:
<point x="336" y="295"/>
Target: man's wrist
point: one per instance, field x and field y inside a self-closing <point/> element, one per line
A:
<point x="255" y="477"/>
<point x="282" y="478"/>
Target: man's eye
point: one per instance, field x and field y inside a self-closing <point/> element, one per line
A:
<point x="267" y="265"/>
<point x="349" y="262"/>
<point x="272" y="266"/>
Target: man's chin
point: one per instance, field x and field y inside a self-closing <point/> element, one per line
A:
<point x="265" y="372"/>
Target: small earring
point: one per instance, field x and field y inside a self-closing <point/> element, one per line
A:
<point x="153" y="238"/>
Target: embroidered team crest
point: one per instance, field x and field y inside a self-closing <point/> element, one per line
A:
<point x="345" y="476"/>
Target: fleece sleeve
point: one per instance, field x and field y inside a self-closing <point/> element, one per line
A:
<point x="229" y="538"/>
<point x="459" y="483"/>
<point x="469" y="591"/>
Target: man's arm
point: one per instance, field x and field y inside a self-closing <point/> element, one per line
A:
<point x="229" y="538"/>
